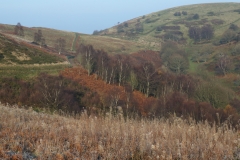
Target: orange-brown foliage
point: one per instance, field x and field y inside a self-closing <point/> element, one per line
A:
<point x="139" y="58"/>
<point x="94" y="83"/>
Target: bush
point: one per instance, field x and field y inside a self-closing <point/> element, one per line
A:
<point x="217" y="21"/>
<point x="148" y="20"/>
<point x="120" y="28"/>
<point x="139" y="27"/>
<point x="195" y="16"/>
<point x="159" y="29"/>
<point x="177" y="14"/>
<point x="228" y="36"/>
<point x="95" y="32"/>
<point x="233" y="27"/>
<point x="236" y="50"/>
<point x="1" y="56"/>
<point x="211" y="13"/>
<point x="184" y="13"/>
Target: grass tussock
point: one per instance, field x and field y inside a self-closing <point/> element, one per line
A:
<point x="25" y="134"/>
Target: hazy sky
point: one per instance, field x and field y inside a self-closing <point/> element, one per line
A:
<point x="83" y="16"/>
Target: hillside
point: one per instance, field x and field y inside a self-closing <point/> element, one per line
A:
<point x="173" y="23"/>
<point x="14" y="53"/>
<point x="207" y="36"/>
<point x="24" y="60"/>
<point x="109" y="44"/>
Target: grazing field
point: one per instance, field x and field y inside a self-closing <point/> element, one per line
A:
<point x="26" y="134"/>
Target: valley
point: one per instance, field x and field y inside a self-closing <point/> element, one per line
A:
<point x="177" y="69"/>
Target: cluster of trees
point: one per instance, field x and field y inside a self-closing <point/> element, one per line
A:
<point x="197" y="33"/>
<point x="45" y="91"/>
<point x="144" y="72"/>
<point x="174" y="57"/>
<point x="176" y="94"/>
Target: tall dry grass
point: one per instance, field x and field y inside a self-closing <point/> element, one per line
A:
<point x="25" y="134"/>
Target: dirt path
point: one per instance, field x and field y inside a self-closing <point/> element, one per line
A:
<point x="35" y="65"/>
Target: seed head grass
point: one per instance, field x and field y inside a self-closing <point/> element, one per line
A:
<point x="26" y="134"/>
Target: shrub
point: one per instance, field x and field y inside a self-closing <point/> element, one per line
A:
<point x="159" y="29"/>
<point x="228" y="36"/>
<point x="177" y="14"/>
<point x="184" y="13"/>
<point x="195" y="16"/>
<point x="210" y="13"/>
<point x="1" y="56"/>
<point x="217" y="21"/>
<point x="120" y="28"/>
<point x="95" y="32"/>
<point x="148" y="20"/>
<point x="139" y="27"/>
<point x="233" y="27"/>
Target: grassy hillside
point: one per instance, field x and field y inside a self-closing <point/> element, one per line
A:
<point x="23" y="60"/>
<point x="13" y="52"/>
<point x="26" y="134"/>
<point x="109" y="44"/>
<point x="156" y="24"/>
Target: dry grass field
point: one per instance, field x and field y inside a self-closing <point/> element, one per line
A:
<point x="26" y="134"/>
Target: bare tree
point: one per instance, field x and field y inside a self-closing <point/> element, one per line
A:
<point x="38" y="36"/>
<point x="133" y="80"/>
<point x="43" y="42"/>
<point x="18" y="30"/>
<point x="146" y="75"/>
<point x="51" y="90"/>
<point x="178" y="64"/>
<point x="224" y="63"/>
<point x="60" y="45"/>
<point x="102" y="64"/>
<point x="88" y="57"/>
<point x="122" y="69"/>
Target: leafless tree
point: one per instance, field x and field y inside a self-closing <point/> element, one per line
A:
<point x="51" y="91"/>
<point x="18" y="30"/>
<point x="146" y="75"/>
<point x="224" y="63"/>
<point x="60" y="45"/>
<point x="122" y="68"/>
<point x="38" y="36"/>
<point x="178" y="64"/>
<point x="87" y="57"/>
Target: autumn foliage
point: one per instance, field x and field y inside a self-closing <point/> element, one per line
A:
<point x="133" y="84"/>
